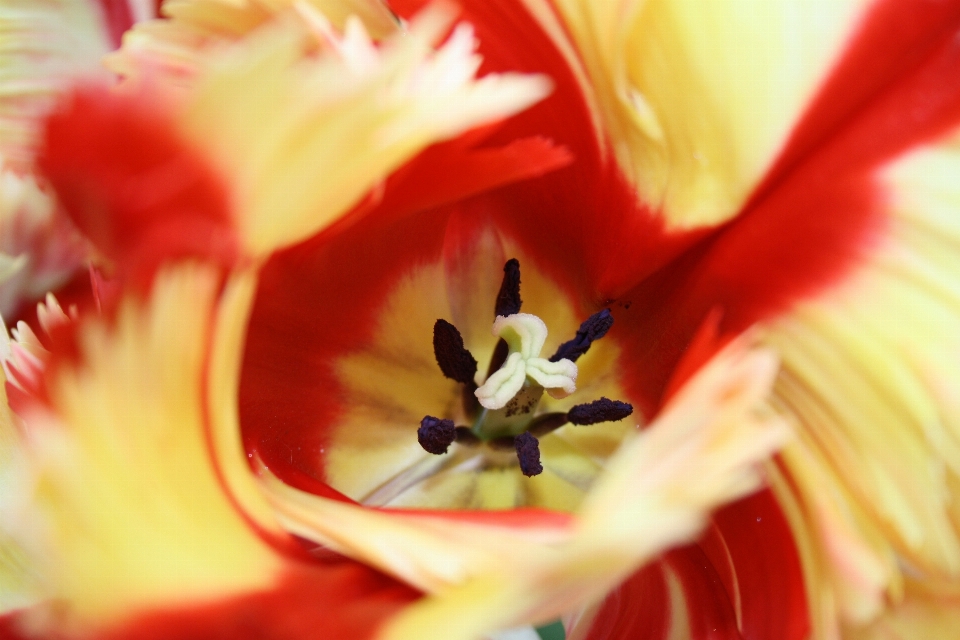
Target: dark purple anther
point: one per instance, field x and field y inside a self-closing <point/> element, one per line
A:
<point x="602" y="410"/>
<point x="455" y="361"/>
<point x="593" y="328"/>
<point x="508" y="299"/>
<point x="528" y="453"/>
<point x="436" y="435"/>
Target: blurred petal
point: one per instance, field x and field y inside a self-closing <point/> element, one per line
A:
<point x="275" y="122"/>
<point x="175" y="46"/>
<point x="126" y="516"/>
<point x="41" y="248"/>
<point x="698" y="99"/>
<point x="868" y="371"/>
<point x="94" y="467"/>
<point x="18" y="584"/>
<point x="822" y="206"/>
<point x="921" y="614"/>
<point x="45" y="46"/>
<point x="136" y="189"/>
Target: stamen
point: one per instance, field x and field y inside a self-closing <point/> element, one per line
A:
<point x="542" y="425"/>
<point x="508" y="299"/>
<point x="467" y="437"/>
<point x="436" y="435"/>
<point x="593" y="328"/>
<point x="602" y="410"/>
<point x="500" y="353"/>
<point x="455" y="361"/>
<point x="528" y="453"/>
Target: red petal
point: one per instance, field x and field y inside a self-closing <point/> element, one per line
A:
<point x="746" y="562"/>
<point x="768" y="571"/>
<point x="316" y="302"/>
<point x="639" y="609"/>
<point x="709" y="609"/>
<point x="706" y="343"/>
<point x="453" y="171"/>
<point x="132" y="186"/>
<point x="522" y="518"/>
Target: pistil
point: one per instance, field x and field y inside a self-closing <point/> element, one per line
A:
<point x="502" y="405"/>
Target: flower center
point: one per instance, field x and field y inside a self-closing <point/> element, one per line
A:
<point x="503" y="403"/>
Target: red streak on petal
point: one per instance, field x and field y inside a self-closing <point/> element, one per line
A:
<point x="19" y="400"/>
<point x="133" y="186"/>
<point x="893" y="40"/>
<point x="452" y="171"/>
<point x="334" y="598"/>
<point x="706" y="343"/>
<point x="303" y="481"/>
<point x="821" y="210"/>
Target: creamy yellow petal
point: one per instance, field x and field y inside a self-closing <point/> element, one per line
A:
<point x="869" y="376"/>
<point x="428" y="552"/>
<point x="125" y="510"/>
<point x="696" y="97"/>
<point x="19" y="585"/>
<point x="301" y="140"/>
<point x="223" y="383"/>
<point x="922" y="614"/>
<point x="175" y="45"/>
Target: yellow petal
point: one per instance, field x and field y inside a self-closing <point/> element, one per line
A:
<point x="869" y="375"/>
<point x="18" y="583"/>
<point x="922" y="614"/>
<point x="301" y="140"/>
<point x="223" y="383"/>
<point x="126" y="511"/>
<point x="696" y="97"/>
<point x="175" y="45"/>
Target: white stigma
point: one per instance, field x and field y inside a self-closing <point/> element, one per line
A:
<point x="525" y="334"/>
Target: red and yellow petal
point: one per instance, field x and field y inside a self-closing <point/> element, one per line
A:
<point x="694" y="113"/>
<point x="128" y="522"/>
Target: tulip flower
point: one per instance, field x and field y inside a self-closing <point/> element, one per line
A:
<point x="132" y="503"/>
<point x="366" y="367"/>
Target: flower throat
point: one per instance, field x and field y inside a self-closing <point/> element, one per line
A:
<point x="502" y="404"/>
